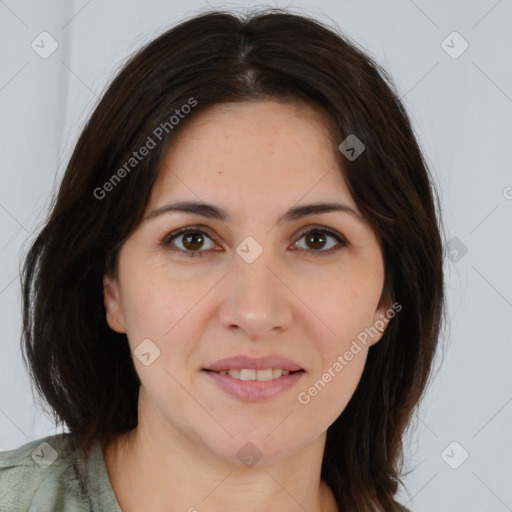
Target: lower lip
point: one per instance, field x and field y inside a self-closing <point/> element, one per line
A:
<point x="253" y="390"/>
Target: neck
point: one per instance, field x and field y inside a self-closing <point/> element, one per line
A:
<point x="168" y="473"/>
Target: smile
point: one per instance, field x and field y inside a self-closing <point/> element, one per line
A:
<point x="254" y="385"/>
<point x="251" y="374"/>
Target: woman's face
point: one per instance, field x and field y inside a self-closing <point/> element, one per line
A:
<point x="248" y="286"/>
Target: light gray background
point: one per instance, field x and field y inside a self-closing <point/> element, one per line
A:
<point x="462" y="113"/>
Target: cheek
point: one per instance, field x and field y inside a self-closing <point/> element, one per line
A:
<point x="147" y="307"/>
<point x="155" y="302"/>
<point x="169" y="314"/>
<point x="346" y="308"/>
<point x="343" y="307"/>
<point x="322" y="399"/>
<point x="328" y="390"/>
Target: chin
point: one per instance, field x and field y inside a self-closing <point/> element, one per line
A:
<point x="259" y="447"/>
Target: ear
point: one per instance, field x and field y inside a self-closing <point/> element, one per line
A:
<point x="380" y="322"/>
<point x="112" y="302"/>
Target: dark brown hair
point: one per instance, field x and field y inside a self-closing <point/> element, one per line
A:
<point x="84" y="370"/>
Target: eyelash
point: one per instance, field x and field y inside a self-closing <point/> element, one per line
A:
<point x="169" y="238"/>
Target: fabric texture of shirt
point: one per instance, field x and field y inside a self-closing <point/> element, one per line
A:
<point x="49" y="475"/>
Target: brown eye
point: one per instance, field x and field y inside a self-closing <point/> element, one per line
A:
<point x="189" y="240"/>
<point x="317" y="239"/>
<point x="193" y="240"/>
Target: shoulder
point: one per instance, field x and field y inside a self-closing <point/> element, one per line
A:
<point x="42" y="475"/>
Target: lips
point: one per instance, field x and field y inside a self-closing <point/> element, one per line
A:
<point x="254" y="363"/>
<point x="253" y="390"/>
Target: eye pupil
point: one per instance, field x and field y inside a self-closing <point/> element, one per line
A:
<point x="193" y="245"/>
<point x="315" y="235"/>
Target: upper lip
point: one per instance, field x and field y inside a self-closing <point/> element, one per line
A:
<point x="254" y="363"/>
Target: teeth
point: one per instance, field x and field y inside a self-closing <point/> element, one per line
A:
<point x="261" y="375"/>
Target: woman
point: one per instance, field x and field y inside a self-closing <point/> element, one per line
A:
<point x="236" y="300"/>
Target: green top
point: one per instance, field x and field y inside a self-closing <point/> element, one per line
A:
<point x="50" y="475"/>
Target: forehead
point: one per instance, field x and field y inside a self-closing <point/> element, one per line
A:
<point x="270" y="123"/>
<point x="258" y="151"/>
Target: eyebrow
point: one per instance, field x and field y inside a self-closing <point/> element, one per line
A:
<point x="210" y="211"/>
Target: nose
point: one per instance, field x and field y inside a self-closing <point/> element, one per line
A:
<point x="256" y="300"/>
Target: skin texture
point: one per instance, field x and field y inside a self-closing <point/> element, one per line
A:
<point x="256" y="160"/>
